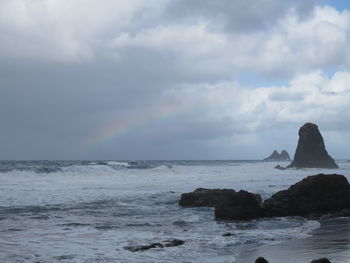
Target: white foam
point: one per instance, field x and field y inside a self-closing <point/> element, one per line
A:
<point x="115" y="163"/>
<point x="145" y="193"/>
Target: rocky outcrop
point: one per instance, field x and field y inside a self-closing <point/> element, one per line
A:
<point x="239" y="206"/>
<point x="313" y="196"/>
<point x="229" y="204"/>
<point x="169" y="243"/>
<point x="321" y="260"/>
<point x="318" y="194"/>
<point x="205" y="197"/>
<point x="275" y="156"/>
<point x="311" y="151"/>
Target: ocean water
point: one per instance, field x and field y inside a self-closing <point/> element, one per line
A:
<point x="89" y="211"/>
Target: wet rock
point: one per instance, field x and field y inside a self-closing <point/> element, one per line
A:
<point x="227" y="234"/>
<point x="321" y="260"/>
<point x="241" y="205"/>
<point x="143" y="248"/>
<point x="229" y="204"/>
<point x="261" y="260"/>
<point x="318" y="194"/>
<point x="205" y="197"/>
<point x="342" y="213"/>
<point x="275" y="156"/>
<point x="311" y="151"/>
<point x="169" y="243"/>
<point x="279" y="167"/>
<point x="174" y="243"/>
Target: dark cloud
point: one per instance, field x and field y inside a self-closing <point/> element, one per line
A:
<point x="239" y="16"/>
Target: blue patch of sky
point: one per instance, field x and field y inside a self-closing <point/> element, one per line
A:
<point x="255" y="80"/>
<point x="331" y="71"/>
<point x="340" y="5"/>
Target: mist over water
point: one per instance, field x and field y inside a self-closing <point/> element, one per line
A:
<point x="88" y="211"/>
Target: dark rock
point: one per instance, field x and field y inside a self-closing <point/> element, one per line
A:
<point x="174" y="243"/>
<point x="261" y="260"/>
<point x="321" y="260"/>
<point x="227" y="235"/>
<point x="318" y="194"/>
<point x="229" y="204"/>
<point x="143" y="248"/>
<point x="341" y="213"/>
<point x="170" y="243"/>
<point x="279" y="167"/>
<point x="275" y="156"/>
<point x="239" y="206"/>
<point x="284" y="155"/>
<point x="311" y="151"/>
<point x="205" y="197"/>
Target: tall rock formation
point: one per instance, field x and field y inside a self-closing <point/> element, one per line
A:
<point x="311" y="151"/>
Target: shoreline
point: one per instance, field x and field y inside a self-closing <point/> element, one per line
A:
<point x="326" y="241"/>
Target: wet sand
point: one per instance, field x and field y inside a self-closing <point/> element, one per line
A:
<point x="331" y="240"/>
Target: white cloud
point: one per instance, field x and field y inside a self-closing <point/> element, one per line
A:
<point x="288" y="47"/>
<point x="311" y="97"/>
<point x="308" y="97"/>
<point x="80" y="30"/>
<point x="65" y="30"/>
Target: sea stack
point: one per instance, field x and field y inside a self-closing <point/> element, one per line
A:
<point x="311" y="151"/>
<point x="275" y="156"/>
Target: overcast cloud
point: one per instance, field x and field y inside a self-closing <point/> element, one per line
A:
<point x="161" y="79"/>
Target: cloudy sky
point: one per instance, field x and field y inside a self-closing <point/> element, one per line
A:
<point x="171" y="79"/>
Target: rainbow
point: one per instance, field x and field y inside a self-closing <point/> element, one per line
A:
<point x="119" y="127"/>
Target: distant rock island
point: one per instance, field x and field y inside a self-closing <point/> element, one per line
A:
<point x="311" y="151"/>
<point x="275" y="156"/>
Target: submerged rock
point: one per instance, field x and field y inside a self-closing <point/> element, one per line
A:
<point x="169" y="243"/>
<point x="174" y="243"/>
<point x="321" y="260"/>
<point x="275" y="156"/>
<point x="239" y="206"/>
<point x="143" y="248"/>
<point x="261" y="260"/>
<point x="311" y="151"/>
<point x="279" y="167"/>
<point x="318" y="194"/>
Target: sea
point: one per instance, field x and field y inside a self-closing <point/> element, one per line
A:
<point x="91" y="211"/>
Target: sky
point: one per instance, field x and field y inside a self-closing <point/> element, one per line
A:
<point x="171" y="79"/>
